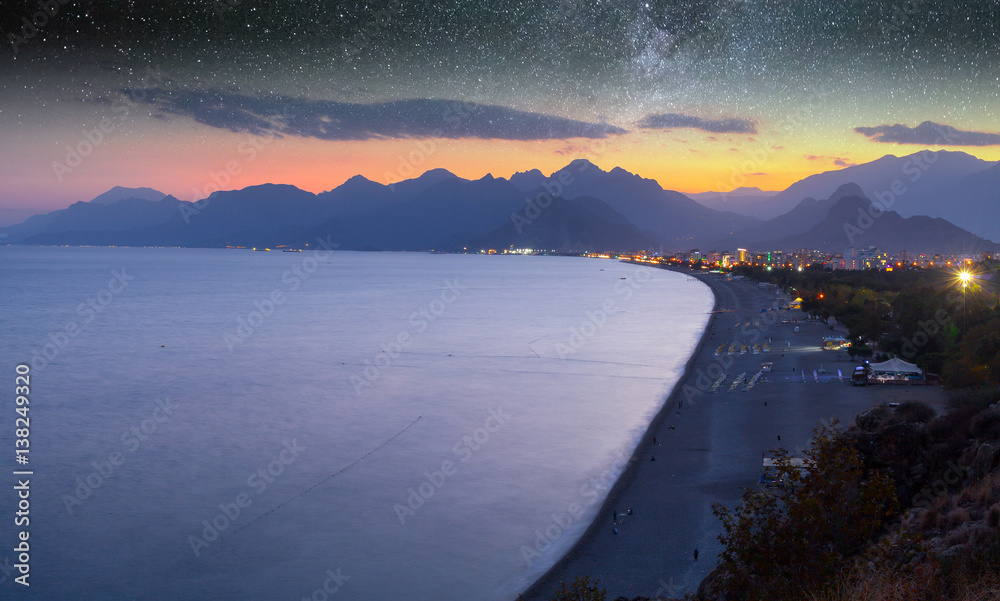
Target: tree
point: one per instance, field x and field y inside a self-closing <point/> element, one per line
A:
<point x="780" y="544"/>
<point x="852" y="350"/>
<point x="864" y="351"/>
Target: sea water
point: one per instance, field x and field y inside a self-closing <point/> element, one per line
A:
<point x="238" y="425"/>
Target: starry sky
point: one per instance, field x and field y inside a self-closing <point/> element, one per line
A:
<point x="189" y="95"/>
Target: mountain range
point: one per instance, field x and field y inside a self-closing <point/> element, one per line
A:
<point x="952" y="185"/>
<point x="893" y="203"/>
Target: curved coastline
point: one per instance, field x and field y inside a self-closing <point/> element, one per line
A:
<point x="712" y="448"/>
<point x="550" y="579"/>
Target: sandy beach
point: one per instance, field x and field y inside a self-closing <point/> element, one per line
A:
<point x="709" y="444"/>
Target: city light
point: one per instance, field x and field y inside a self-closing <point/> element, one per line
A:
<point x="964" y="276"/>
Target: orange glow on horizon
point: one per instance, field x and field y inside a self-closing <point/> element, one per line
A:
<point x="191" y="161"/>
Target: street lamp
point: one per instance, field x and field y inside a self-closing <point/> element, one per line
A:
<point x="964" y="277"/>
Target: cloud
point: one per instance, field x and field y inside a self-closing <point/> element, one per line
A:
<point x="715" y="126"/>
<point x="839" y="161"/>
<point x="928" y="133"/>
<point x="279" y="115"/>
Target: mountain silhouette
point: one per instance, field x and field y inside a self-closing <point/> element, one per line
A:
<point x="580" y="207"/>
<point x="854" y="221"/>
<point x="928" y="183"/>
<point x="804" y="216"/>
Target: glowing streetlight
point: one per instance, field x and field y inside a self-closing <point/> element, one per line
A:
<point x="964" y="277"/>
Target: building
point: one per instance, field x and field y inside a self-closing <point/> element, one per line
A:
<point x="867" y="258"/>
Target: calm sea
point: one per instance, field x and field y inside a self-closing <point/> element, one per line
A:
<point x="237" y="425"/>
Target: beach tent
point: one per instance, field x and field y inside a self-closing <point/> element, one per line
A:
<point x="896" y="366"/>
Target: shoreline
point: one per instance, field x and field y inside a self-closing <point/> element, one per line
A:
<point x="642" y="449"/>
<point x="709" y="445"/>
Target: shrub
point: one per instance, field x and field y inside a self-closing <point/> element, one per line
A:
<point x="956" y="517"/>
<point x="777" y="545"/>
<point x="955" y="427"/>
<point x="932" y="362"/>
<point x="930" y="519"/>
<point x="915" y="411"/>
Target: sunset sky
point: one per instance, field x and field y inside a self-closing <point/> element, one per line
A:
<point x="699" y="95"/>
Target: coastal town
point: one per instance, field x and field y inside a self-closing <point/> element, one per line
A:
<point x="851" y="259"/>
